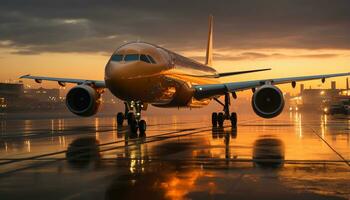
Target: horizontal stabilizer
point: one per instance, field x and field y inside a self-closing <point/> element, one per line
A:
<point x="242" y="72"/>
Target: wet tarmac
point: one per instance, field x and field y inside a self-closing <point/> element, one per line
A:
<point x="294" y="156"/>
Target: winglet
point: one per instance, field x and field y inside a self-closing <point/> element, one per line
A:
<point x="209" y="55"/>
<point x="24" y="76"/>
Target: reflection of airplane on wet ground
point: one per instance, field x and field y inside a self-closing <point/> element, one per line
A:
<point x="177" y="154"/>
<point x="141" y="73"/>
<point x="268" y="151"/>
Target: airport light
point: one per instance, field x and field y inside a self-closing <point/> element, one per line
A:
<point x="322" y="92"/>
<point x="325" y="110"/>
<point x="297" y="98"/>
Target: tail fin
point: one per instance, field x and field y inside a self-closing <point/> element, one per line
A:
<point x="209" y="56"/>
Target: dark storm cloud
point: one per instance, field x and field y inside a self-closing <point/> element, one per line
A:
<point x="100" y="26"/>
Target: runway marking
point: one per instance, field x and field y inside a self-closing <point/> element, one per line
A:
<point x="121" y="141"/>
<point x="334" y="150"/>
<point x="64" y="151"/>
<point x="104" y="144"/>
<point x="92" y="132"/>
<point x="154" y="138"/>
<point x="109" y="143"/>
<point x="47" y="133"/>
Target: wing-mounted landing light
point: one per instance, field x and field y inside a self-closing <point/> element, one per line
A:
<point x="144" y="106"/>
<point x="208" y="91"/>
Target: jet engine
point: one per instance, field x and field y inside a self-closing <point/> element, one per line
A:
<point x="268" y="101"/>
<point x="83" y="100"/>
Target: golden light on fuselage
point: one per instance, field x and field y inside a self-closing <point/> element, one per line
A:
<point x="91" y="65"/>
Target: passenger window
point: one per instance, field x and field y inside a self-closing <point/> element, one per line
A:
<point x="117" y="57"/>
<point x="151" y="59"/>
<point x="144" y="58"/>
<point x="132" y="57"/>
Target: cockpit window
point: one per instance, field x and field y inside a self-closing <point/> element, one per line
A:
<point x="151" y="59"/>
<point x="132" y="57"/>
<point x="144" y="58"/>
<point x="117" y="57"/>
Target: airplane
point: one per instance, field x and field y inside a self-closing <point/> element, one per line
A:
<point x="142" y="74"/>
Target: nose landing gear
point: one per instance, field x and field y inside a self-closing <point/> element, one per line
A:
<point x="218" y="119"/>
<point x="120" y="119"/>
<point x="126" y="115"/>
<point x="134" y="120"/>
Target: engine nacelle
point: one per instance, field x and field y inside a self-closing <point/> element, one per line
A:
<point x="268" y="101"/>
<point x="83" y="100"/>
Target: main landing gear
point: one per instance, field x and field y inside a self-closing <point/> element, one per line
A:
<point x="133" y="118"/>
<point x="219" y="118"/>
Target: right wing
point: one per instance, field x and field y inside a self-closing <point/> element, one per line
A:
<point x="63" y="81"/>
<point x="241" y="72"/>
<point x="212" y="90"/>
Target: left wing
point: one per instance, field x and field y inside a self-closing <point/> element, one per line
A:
<point x="211" y="90"/>
<point x="63" y="81"/>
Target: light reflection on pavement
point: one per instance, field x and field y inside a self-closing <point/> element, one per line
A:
<point x="180" y="157"/>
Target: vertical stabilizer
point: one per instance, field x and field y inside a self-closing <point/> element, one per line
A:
<point x="209" y="56"/>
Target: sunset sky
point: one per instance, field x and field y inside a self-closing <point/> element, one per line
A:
<point x="75" y="38"/>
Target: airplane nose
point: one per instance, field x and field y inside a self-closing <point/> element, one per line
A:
<point x="132" y="80"/>
<point x="127" y="70"/>
<point x="122" y="70"/>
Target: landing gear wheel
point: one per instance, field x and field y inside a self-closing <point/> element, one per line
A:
<point x="233" y="119"/>
<point x="142" y="126"/>
<point x="120" y="119"/>
<point x="221" y="119"/>
<point x="131" y="117"/>
<point x="133" y="126"/>
<point x="214" y="119"/>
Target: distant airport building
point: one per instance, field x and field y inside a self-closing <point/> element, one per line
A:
<point x="11" y="90"/>
<point x="317" y="99"/>
<point x="16" y="97"/>
<point x="42" y="94"/>
<point x="9" y="93"/>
